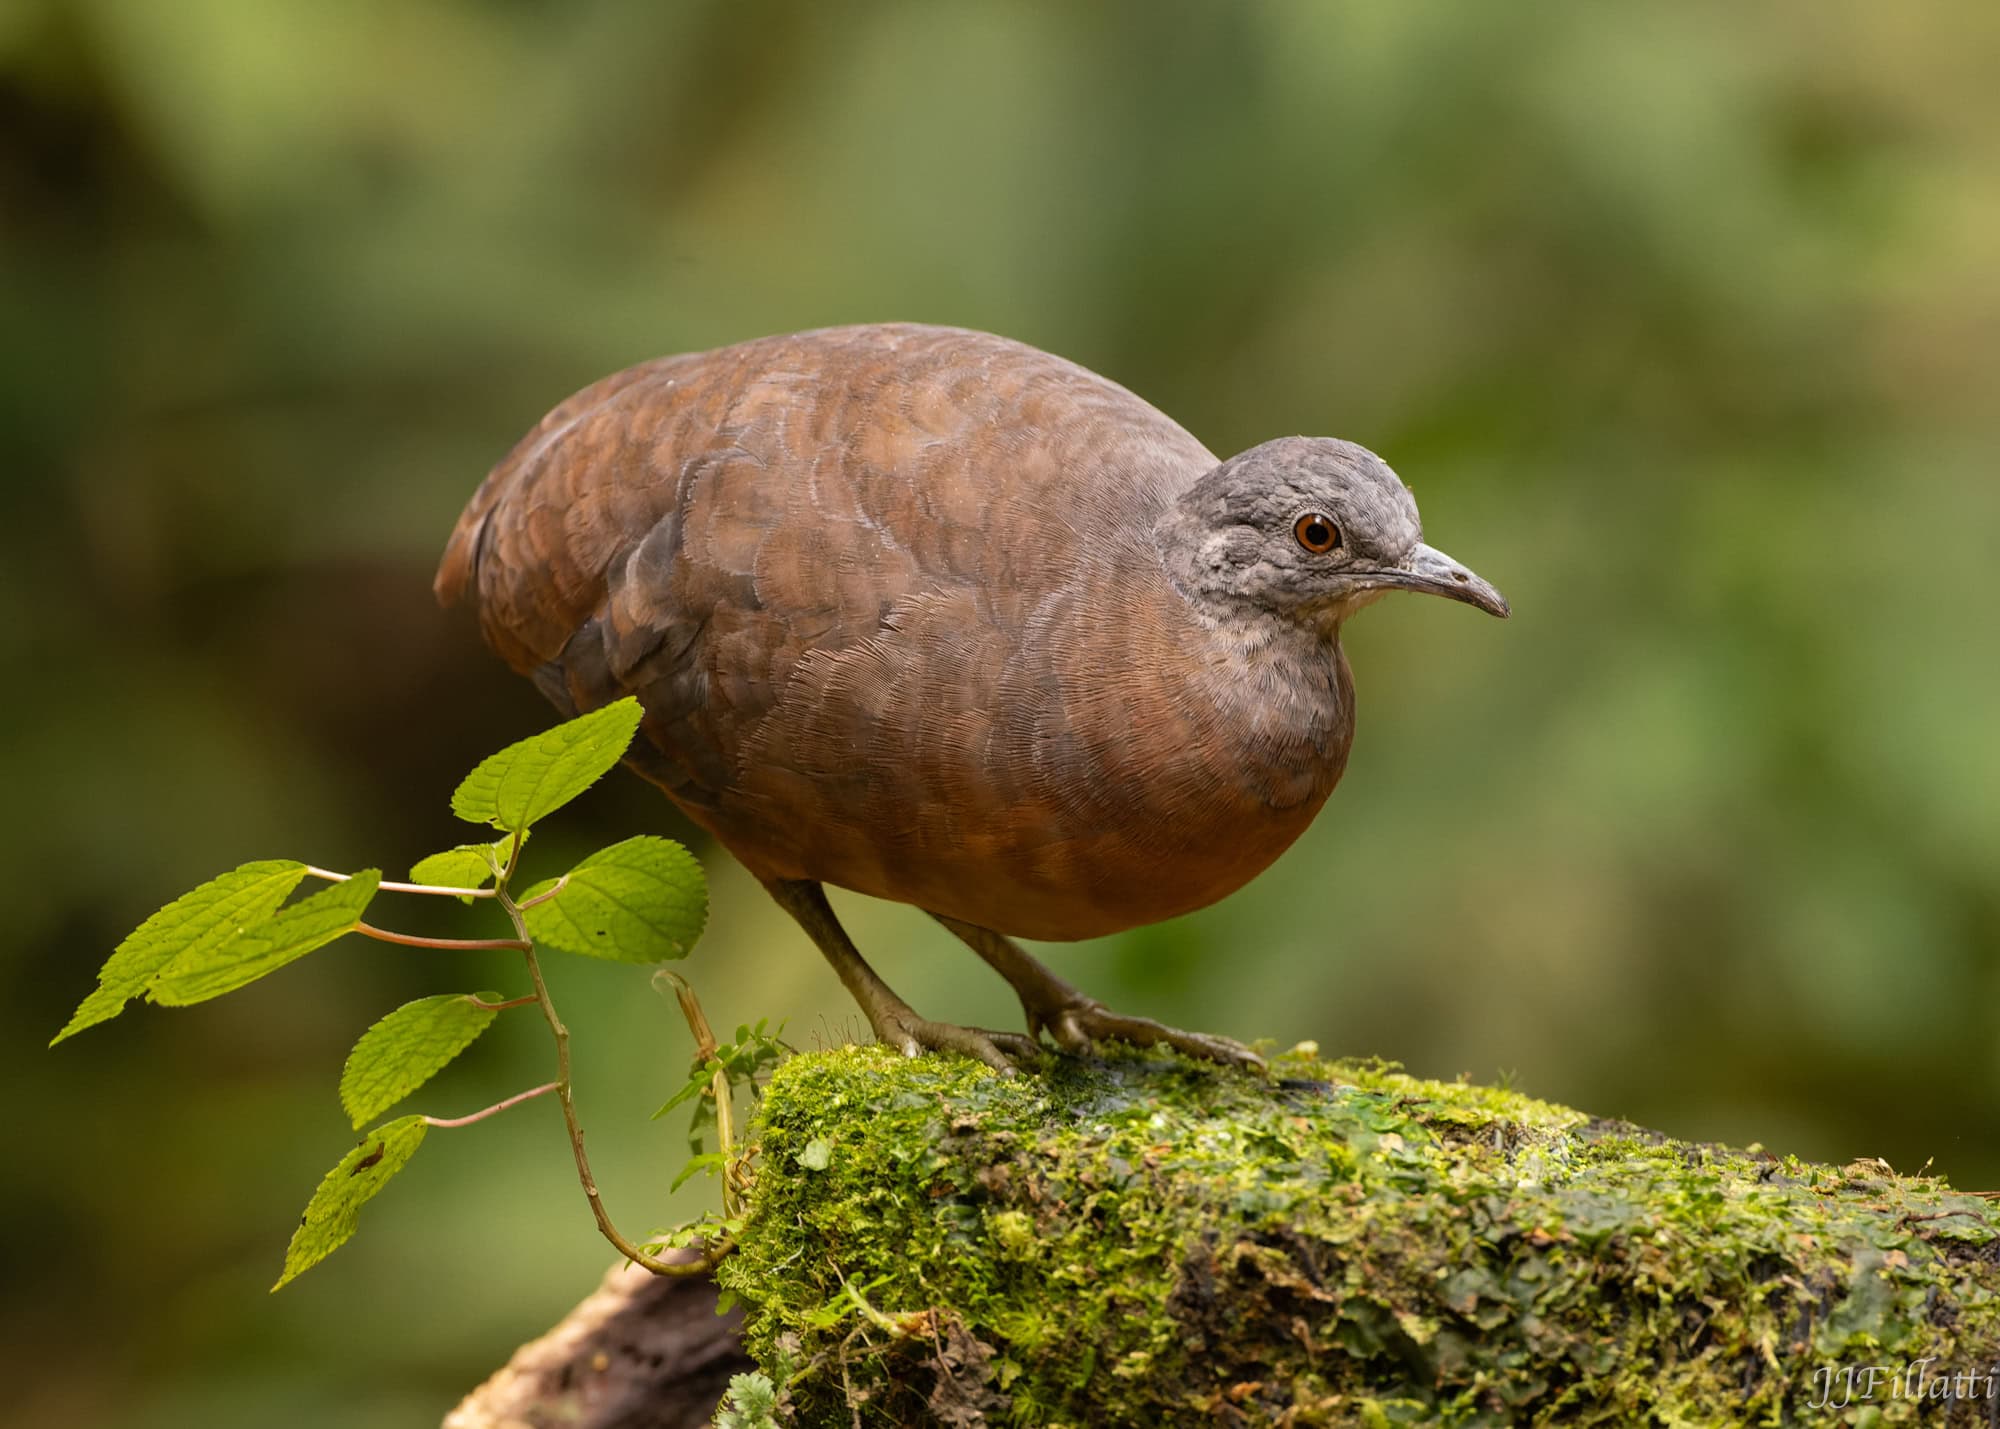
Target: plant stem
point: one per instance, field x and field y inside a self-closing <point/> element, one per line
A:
<point x="411" y="940"/>
<point x="566" y="1097"/>
<point x="495" y="1109"/>
<point x="704" y="1048"/>
<point x="473" y="998"/>
<point x="546" y="894"/>
<point x="437" y="888"/>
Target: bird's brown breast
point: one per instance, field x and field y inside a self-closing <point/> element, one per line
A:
<point x="890" y="598"/>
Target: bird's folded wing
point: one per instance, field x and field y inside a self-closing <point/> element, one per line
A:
<point x="861" y="525"/>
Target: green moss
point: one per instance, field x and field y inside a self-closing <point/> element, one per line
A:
<point x="1144" y="1240"/>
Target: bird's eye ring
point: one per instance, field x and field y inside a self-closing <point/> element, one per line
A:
<point x="1317" y="533"/>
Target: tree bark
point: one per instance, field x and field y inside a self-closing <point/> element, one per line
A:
<point x="643" y="1352"/>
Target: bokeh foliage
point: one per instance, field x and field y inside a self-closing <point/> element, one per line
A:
<point x="1680" y="318"/>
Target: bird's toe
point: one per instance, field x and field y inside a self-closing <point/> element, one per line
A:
<point x="1068" y="1033"/>
<point x="998" y="1050"/>
<point x="1081" y="1025"/>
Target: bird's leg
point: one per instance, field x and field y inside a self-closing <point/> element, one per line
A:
<point x="1077" y="1021"/>
<point x="893" y="1020"/>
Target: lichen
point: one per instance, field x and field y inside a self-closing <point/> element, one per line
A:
<point x="1140" y="1240"/>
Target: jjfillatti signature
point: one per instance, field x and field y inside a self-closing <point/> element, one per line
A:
<point x="1838" y="1386"/>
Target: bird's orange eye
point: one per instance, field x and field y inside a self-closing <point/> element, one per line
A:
<point x="1317" y="533"/>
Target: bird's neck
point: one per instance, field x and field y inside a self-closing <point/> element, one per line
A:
<point x="1285" y="695"/>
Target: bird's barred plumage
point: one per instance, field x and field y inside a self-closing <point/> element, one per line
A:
<point x="895" y="602"/>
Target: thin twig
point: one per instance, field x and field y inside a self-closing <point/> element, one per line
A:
<point x="546" y="894"/>
<point x="565" y="1095"/>
<point x="718" y="1086"/>
<point x="475" y="1000"/>
<point x="1912" y="1218"/>
<point x="874" y="1317"/>
<point x="411" y="940"/>
<point x="697" y="1020"/>
<point x="331" y="877"/>
<point x="495" y="1109"/>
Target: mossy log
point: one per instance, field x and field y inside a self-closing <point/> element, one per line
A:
<point x="1143" y="1241"/>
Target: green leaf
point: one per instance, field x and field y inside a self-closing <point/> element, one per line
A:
<point x="335" y="1207"/>
<point x="711" y="1162"/>
<point x="210" y="970"/>
<point x="698" y="1082"/>
<point x="464" y="866"/>
<point x="407" y="1048"/>
<point x="817" y="1154"/>
<point x="526" y="781"/>
<point x="193" y="925"/>
<point x="639" y="901"/>
<point x="752" y="1403"/>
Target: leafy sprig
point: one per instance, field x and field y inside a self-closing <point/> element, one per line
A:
<point x="643" y="900"/>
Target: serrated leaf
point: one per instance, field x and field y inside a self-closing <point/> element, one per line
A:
<point x="464" y="866"/>
<point x="532" y="779"/>
<point x="407" y="1048"/>
<point x="207" y="971"/>
<point x="639" y="901"/>
<point x="336" y="1206"/>
<point x="194" y="923"/>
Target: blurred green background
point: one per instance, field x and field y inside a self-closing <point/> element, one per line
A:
<point x="1681" y="319"/>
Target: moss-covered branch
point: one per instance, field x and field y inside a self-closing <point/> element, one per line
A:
<point x="1145" y="1241"/>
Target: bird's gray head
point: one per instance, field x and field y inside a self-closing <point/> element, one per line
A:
<point x="1309" y="528"/>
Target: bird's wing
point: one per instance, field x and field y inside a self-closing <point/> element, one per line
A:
<point x="813" y="557"/>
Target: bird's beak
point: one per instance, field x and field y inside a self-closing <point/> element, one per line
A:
<point x="1431" y="571"/>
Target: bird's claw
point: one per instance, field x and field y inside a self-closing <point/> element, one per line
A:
<point x="913" y="1036"/>
<point x="1078" y="1026"/>
<point x="1075" y="1023"/>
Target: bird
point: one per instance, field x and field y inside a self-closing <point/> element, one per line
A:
<point x="941" y="618"/>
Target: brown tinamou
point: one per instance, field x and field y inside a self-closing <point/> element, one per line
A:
<point x="938" y="617"/>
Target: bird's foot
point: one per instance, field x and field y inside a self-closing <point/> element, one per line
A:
<point x="894" y="1022"/>
<point x="1079" y="1023"/>
<point x="902" y="1029"/>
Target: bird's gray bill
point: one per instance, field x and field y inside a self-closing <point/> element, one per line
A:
<point x="1431" y="571"/>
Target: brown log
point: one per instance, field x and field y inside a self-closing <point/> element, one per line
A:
<point x="642" y="1352"/>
